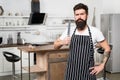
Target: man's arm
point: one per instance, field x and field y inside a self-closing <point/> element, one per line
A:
<point x="96" y="69"/>
<point x="59" y="43"/>
<point x="104" y="44"/>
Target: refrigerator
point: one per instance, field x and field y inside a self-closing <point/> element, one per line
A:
<point x="110" y="26"/>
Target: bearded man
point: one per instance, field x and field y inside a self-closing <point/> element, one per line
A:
<point x="82" y="40"/>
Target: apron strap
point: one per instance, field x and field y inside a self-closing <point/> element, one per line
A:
<point x="91" y="42"/>
<point x="91" y="45"/>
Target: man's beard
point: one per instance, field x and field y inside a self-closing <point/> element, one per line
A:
<point x="80" y="23"/>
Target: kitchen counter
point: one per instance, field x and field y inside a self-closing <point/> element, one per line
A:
<point x="12" y="45"/>
<point x="42" y="48"/>
<point x="50" y="62"/>
<point x="23" y="45"/>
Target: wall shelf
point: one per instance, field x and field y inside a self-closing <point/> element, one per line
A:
<point x="14" y="21"/>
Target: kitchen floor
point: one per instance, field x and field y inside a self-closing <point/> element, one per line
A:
<point x="110" y="76"/>
<point x="115" y="76"/>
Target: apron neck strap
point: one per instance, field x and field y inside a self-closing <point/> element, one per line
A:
<point x="88" y="31"/>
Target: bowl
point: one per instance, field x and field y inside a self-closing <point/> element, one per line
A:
<point x="1" y="40"/>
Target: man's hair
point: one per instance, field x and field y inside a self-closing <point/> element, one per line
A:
<point x="81" y="6"/>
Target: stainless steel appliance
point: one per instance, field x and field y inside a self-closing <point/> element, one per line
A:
<point x="110" y="26"/>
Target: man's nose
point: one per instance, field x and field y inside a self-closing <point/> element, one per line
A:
<point x="79" y="17"/>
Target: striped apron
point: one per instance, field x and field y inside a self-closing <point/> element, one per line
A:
<point x="81" y="58"/>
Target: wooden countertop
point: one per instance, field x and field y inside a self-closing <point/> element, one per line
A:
<point x="12" y="45"/>
<point x="44" y="48"/>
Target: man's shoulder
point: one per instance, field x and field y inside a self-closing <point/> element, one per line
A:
<point x="93" y="28"/>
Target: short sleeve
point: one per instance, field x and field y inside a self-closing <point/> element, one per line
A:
<point x="99" y="36"/>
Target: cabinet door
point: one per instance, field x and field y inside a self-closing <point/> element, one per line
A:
<point x="1" y="60"/>
<point x="57" y="65"/>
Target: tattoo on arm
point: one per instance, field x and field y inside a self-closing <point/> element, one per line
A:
<point x="106" y="54"/>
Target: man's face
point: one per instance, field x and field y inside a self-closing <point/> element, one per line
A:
<point x="80" y="18"/>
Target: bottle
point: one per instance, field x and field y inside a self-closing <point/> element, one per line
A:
<point x="20" y="41"/>
<point x="18" y="38"/>
<point x="10" y="39"/>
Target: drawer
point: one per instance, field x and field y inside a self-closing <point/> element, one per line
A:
<point x="58" y="55"/>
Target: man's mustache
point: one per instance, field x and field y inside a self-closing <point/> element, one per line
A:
<point x="78" y="20"/>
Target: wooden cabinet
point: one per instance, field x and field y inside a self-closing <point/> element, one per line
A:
<point x="57" y="65"/>
<point x="50" y="63"/>
<point x="57" y="71"/>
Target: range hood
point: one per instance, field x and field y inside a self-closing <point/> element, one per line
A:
<point x="36" y="17"/>
<point x="35" y="6"/>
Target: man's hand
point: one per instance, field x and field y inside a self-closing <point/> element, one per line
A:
<point x="66" y="41"/>
<point x="96" y="69"/>
<point x="59" y="43"/>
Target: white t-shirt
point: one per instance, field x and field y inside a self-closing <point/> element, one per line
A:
<point x="97" y="35"/>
